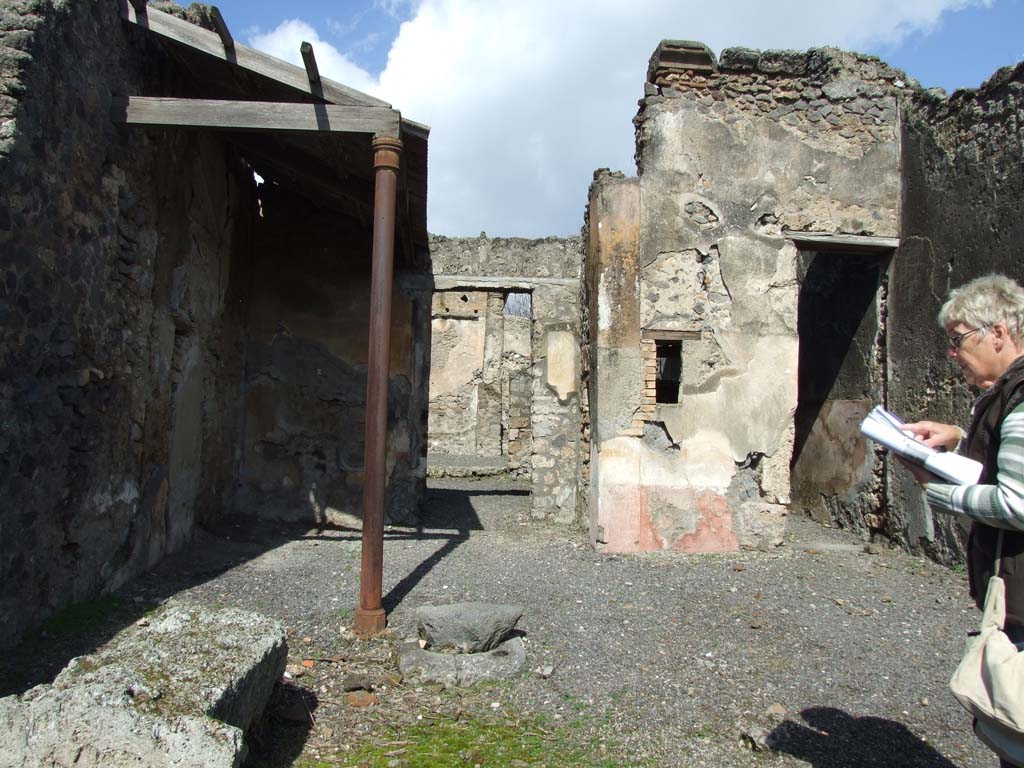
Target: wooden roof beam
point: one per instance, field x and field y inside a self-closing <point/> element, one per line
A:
<point x="203" y="40"/>
<point x="253" y="115"/>
<point x="222" y="30"/>
<point x="306" y="49"/>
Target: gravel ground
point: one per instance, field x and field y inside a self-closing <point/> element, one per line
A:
<point x="832" y="655"/>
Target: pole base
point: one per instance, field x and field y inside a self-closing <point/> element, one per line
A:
<point x="370" y="623"/>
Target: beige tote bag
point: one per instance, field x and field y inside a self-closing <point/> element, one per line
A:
<point x="989" y="682"/>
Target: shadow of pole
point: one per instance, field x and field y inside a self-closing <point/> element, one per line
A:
<point x="399" y="592"/>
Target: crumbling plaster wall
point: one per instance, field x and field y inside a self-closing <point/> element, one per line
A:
<point x="305" y="380"/>
<point x="728" y="158"/>
<point x="549" y="270"/>
<point x="480" y="384"/>
<point x="962" y="201"/>
<point x="120" y="322"/>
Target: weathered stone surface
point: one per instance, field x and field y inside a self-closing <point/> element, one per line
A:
<point x="552" y="257"/>
<point x="505" y="662"/>
<point x="178" y="688"/>
<point x="116" y="263"/>
<point x="505" y="365"/>
<point x="767" y="142"/>
<point x="83" y="727"/>
<point x="175" y="343"/>
<point x="760" y="525"/>
<point x="466" y="627"/>
<point x="963" y="192"/>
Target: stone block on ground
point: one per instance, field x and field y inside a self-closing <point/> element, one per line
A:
<point x="506" y="661"/>
<point x="178" y="688"/>
<point x="760" y="525"/>
<point x="466" y="627"/>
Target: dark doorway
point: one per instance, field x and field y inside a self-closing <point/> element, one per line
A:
<point x="841" y="375"/>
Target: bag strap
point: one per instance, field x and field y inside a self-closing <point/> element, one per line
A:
<point x="999" y="550"/>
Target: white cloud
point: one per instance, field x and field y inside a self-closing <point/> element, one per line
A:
<point x="394" y="8"/>
<point x="285" y="42"/>
<point x="526" y="98"/>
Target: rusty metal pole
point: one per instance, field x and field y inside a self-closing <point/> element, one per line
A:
<point x="387" y="156"/>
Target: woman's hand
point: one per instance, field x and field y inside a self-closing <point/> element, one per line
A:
<point x="922" y="475"/>
<point x="935" y="434"/>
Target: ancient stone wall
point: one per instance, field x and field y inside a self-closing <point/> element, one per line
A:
<point x="962" y="200"/>
<point x="733" y="155"/>
<point x="120" y="314"/>
<point x="305" y="382"/>
<point x="505" y="364"/>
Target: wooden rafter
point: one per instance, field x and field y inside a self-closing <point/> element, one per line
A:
<point x="203" y="40"/>
<point x="222" y="29"/>
<point x="309" y="60"/>
<point x="253" y="115"/>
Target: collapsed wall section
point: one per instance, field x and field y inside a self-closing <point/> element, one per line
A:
<point x="505" y="369"/>
<point x="734" y="156"/>
<point x="963" y="194"/>
<point x="120" y="314"/>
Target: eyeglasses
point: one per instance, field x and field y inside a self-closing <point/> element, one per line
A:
<point x="958" y="338"/>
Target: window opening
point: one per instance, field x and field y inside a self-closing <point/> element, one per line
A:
<point x="518" y="304"/>
<point x="669" y="371"/>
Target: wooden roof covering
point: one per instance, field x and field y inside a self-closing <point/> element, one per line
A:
<point x="308" y="131"/>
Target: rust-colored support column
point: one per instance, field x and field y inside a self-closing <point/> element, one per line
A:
<point x="387" y="157"/>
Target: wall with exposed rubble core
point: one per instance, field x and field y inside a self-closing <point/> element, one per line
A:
<point x="505" y="369"/>
<point x="697" y="289"/>
<point x="304" y="387"/>
<point x="176" y="343"/>
<point x="962" y="202"/>
<point x="120" y="314"/>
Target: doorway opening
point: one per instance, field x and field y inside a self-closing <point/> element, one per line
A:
<point x="841" y="376"/>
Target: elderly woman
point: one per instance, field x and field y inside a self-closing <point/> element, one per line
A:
<point x="984" y="320"/>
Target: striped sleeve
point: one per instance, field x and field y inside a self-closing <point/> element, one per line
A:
<point x="1000" y="505"/>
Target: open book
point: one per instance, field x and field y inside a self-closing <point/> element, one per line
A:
<point x="886" y="429"/>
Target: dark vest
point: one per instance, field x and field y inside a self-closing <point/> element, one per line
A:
<point x="982" y="444"/>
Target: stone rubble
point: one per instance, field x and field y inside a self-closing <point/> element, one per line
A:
<point x="177" y="688"/>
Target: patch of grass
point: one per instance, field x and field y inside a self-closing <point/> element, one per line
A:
<point x="345" y="614"/>
<point x="82" y="617"/>
<point x="474" y="742"/>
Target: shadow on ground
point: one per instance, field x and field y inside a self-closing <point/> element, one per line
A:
<point x="447" y="516"/>
<point x="833" y="738"/>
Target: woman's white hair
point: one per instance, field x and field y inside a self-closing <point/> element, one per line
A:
<point x="985" y="301"/>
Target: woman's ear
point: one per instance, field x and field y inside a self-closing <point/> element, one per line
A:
<point x="1000" y="335"/>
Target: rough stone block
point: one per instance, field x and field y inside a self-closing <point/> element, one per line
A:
<point x="506" y="661"/>
<point x="178" y="688"/>
<point x="467" y="627"/>
<point x="759" y="525"/>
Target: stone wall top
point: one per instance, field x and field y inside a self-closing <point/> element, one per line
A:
<point x="549" y="257"/>
<point x="983" y="116"/>
<point x="835" y="100"/>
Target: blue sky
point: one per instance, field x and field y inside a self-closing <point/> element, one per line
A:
<point x="526" y="98"/>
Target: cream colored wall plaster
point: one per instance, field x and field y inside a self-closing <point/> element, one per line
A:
<point x="753" y="405"/>
<point x="457" y="354"/>
<point x="560" y="363"/>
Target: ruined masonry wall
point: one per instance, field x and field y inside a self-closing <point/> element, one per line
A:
<point x="540" y="412"/>
<point x="963" y="194"/>
<point x="119" y="334"/>
<point x="728" y="158"/>
<point x="304" y="389"/>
